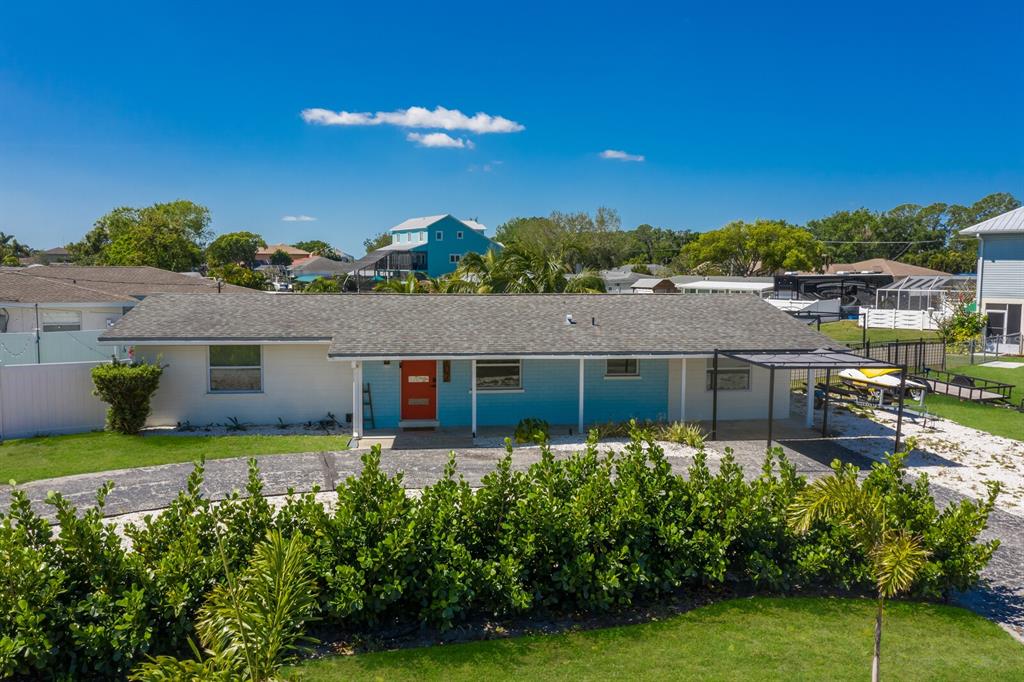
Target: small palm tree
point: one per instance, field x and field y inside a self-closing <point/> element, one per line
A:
<point x="895" y="555"/>
<point x="409" y="285"/>
<point x="251" y="625"/>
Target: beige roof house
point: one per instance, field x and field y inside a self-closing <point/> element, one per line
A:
<point x="883" y="266"/>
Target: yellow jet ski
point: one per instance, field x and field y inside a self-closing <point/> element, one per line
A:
<point x="874" y="380"/>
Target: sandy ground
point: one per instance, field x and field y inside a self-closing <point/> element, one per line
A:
<point x="953" y="455"/>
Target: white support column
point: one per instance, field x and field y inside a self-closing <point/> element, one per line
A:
<point x="579" y="422"/>
<point x="809" y="421"/>
<point x="472" y="393"/>
<point x="682" y="390"/>
<point x="357" y="398"/>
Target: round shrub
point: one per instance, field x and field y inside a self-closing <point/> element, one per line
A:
<point x="127" y="388"/>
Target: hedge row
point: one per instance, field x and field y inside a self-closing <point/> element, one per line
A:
<point x="592" y="532"/>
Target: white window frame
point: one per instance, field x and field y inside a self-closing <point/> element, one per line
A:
<point x="67" y="314"/>
<point x="726" y="367"/>
<point x="498" y="389"/>
<point x="454" y="258"/>
<point x="210" y="367"/>
<point x="458" y="235"/>
<point x="439" y="235"/>
<point x="635" y="374"/>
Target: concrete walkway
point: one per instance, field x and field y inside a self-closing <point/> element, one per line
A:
<point x="153" y="488"/>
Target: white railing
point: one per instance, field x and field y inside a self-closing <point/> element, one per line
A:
<point x="898" y="319"/>
<point x="80" y="346"/>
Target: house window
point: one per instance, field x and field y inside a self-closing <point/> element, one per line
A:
<point x="498" y="375"/>
<point x="236" y="369"/>
<point x="622" y="367"/>
<point x="422" y="236"/>
<point x="61" y="321"/>
<point x="454" y="257"/>
<point x="458" y="235"/>
<point x="439" y="235"/>
<point x="733" y="375"/>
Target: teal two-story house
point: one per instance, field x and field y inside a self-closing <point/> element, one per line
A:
<point x="431" y="246"/>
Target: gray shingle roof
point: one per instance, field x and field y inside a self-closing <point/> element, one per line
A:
<point x="117" y="282"/>
<point x="376" y="325"/>
<point x="17" y="287"/>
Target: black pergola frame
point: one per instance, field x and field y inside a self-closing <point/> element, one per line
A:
<point x="818" y="358"/>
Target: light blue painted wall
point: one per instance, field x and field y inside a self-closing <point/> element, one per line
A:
<point x="550" y="392"/>
<point x="439" y="250"/>
<point x="385" y="382"/>
<point x="1004" y="266"/>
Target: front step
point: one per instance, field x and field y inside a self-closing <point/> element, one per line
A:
<point x="418" y="424"/>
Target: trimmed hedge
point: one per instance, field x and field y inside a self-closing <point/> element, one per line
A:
<point x="589" y="533"/>
<point x="127" y="388"/>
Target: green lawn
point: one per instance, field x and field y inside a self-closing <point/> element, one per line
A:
<point x="847" y="331"/>
<point x="990" y="418"/>
<point x="744" y="639"/>
<point x="30" y="459"/>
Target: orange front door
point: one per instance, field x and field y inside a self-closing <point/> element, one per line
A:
<point x="419" y="389"/>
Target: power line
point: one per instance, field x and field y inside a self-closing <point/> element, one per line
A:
<point x="871" y="241"/>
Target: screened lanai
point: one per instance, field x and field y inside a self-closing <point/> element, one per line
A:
<point x="923" y="292"/>
<point x="822" y="358"/>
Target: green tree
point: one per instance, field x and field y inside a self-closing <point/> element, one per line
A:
<point x="318" y="247"/>
<point x="409" y="285"/>
<point x="895" y="556"/>
<point x="239" y="275"/>
<point x="170" y="236"/>
<point x="758" y="248"/>
<point x="322" y="285"/>
<point x="234" y="247"/>
<point x="281" y="258"/>
<point x="378" y="242"/>
<point x="11" y="250"/>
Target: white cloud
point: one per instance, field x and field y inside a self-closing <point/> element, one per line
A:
<point x="298" y="218"/>
<point x="485" y="168"/>
<point x="440" y="140"/>
<point x="415" y="117"/>
<point x="619" y="155"/>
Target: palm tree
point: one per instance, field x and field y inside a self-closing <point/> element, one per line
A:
<point x="409" y="285"/>
<point x="895" y="555"/>
<point x="253" y="623"/>
<point x="482" y="274"/>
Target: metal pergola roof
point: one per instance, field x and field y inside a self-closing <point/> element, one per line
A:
<point x="822" y="358"/>
<point x="928" y="283"/>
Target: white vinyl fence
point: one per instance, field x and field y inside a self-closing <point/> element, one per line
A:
<point x="48" y="398"/>
<point x="898" y="319"/>
<point x="23" y="348"/>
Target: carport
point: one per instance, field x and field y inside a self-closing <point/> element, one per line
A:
<point x="822" y="358"/>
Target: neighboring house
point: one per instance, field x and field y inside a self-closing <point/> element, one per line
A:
<point x="894" y="268"/>
<point x="264" y="254"/>
<point x="458" y="360"/>
<point x="54" y="313"/>
<point x="1000" y="288"/>
<point x="308" y="269"/>
<point x="431" y="246"/>
<point x="620" y="280"/>
<point x="759" y="286"/>
<point x="653" y="285"/>
<point x="50" y="256"/>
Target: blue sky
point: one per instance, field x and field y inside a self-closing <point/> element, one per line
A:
<point x="739" y="111"/>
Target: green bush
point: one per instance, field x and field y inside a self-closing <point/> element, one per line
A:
<point x="127" y="389"/>
<point x="532" y="430"/>
<point x="687" y="434"/>
<point x="588" y="533"/>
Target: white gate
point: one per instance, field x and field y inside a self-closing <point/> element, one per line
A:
<point x="48" y="398"/>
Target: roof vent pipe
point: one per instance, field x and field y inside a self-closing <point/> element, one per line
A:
<point x="568" y="319"/>
<point x="593" y="322"/>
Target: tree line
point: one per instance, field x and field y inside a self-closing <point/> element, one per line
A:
<point x="177" y="236"/>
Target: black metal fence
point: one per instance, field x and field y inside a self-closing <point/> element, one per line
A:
<point x="916" y="355"/>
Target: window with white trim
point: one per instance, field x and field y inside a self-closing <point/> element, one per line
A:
<point x="622" y="367"/>
<point x="498" y="375"/>
<point x="458" y="235"/>
<point x="733" y="375"/>
<point x="61" y="320"/>
<point x="236" y="369"/>
<point x="439" y="235"/>
<point x="454" y="257"/>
